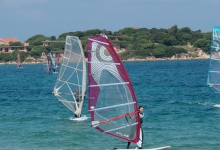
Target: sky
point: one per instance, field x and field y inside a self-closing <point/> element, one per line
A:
<point x="22" y="19"/>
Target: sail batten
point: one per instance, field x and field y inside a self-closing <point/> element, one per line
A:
<point x="121" y="127"/>
<point x="70" y="86"/>
<point x="106" y="63"/>
<point x="99" y="41"/>
<point x="109" y="84"/>
<point x="73" y="68"/>
<point x="215" y="71"/>
<point x="112" y="106"/>
<point x="112" y="101"/>
<point x="215" y="59"/>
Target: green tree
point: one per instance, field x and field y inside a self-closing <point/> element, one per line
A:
<point x="200" y="43"/>
<point x="53" y="38"/>
<point x="37" y="51"/>
<point x="159" y="52"/>
<point x="37" y="40"/>
<point x="15" y="44"/>
<point x="208" y="35"/>
<point x="173" y="30"/>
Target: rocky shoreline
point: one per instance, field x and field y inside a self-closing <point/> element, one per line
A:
<point x="200" y="55"/>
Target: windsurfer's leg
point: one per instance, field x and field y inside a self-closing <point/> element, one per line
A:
<point x="142" y="136"/>
<point x="128" y="145"/>
<point x="139" y="143"/>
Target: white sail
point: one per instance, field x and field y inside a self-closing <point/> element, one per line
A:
<point x="45" y="62"/>
<point x="70" y="86"/>
<point x="213" y="79"/>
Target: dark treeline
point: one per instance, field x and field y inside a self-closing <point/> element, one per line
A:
<point x="138" y="43"/>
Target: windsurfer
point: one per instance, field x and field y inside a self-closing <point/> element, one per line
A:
<point x="77" y="94"/>
<point x="140" y="142"/>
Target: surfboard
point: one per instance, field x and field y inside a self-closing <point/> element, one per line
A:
<point x="158" y="148"/>
<point x="80" y="118"/>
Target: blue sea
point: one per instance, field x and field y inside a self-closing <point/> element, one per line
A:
<point x="180" y="109"/>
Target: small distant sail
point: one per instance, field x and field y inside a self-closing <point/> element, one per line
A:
<point x="112" y="102"/>
<point x="70" y="86"/>
<point x="46" y="62"/>
<point x="52" y="62"/>
<point x="213" y="79"/>
<point x="18" y="61"/>
<point x="57" y="59"/>
<point x="53" y="65"/>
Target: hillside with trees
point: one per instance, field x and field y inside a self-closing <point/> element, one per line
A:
<point x="136" y="42"/>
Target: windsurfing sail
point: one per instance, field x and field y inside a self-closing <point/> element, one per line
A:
<point x="213" y="79"/>
<point x="70" y="86"/>
<point x="18" y="61"/>
<point x="46" y="62"/>
<point x="57" y="59"/>
<point x="112" y="102"/>
<point x="52" y="62"/>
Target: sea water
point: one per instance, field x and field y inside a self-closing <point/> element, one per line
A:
<point x="180" y="109"/>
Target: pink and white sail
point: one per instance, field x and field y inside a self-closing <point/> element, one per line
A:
<point x="112" y="102"/>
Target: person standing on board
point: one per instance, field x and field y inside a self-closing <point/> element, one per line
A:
<point x="77" y="96"/>
<point x="141" y="138"/>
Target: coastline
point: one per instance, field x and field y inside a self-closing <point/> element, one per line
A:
<point x="128" y="60"/>
<point x="165" y="59"/>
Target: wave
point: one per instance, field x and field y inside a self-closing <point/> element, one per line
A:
<point x="217" y="105"/>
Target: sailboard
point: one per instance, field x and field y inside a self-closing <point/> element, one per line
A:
<point x="18" y="61"/>
<point x="52" y="63"/>
<point x="112" y="102"/>
<point x="70" y="85"/>
<point x="158" y="148"/>
<point x="213" y="79"/>
<point x="46" y="62"/>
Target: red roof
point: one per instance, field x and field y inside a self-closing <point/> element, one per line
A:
<point x="8" y="40"/>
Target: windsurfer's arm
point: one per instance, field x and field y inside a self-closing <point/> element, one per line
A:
<point x="141" y="115"/>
